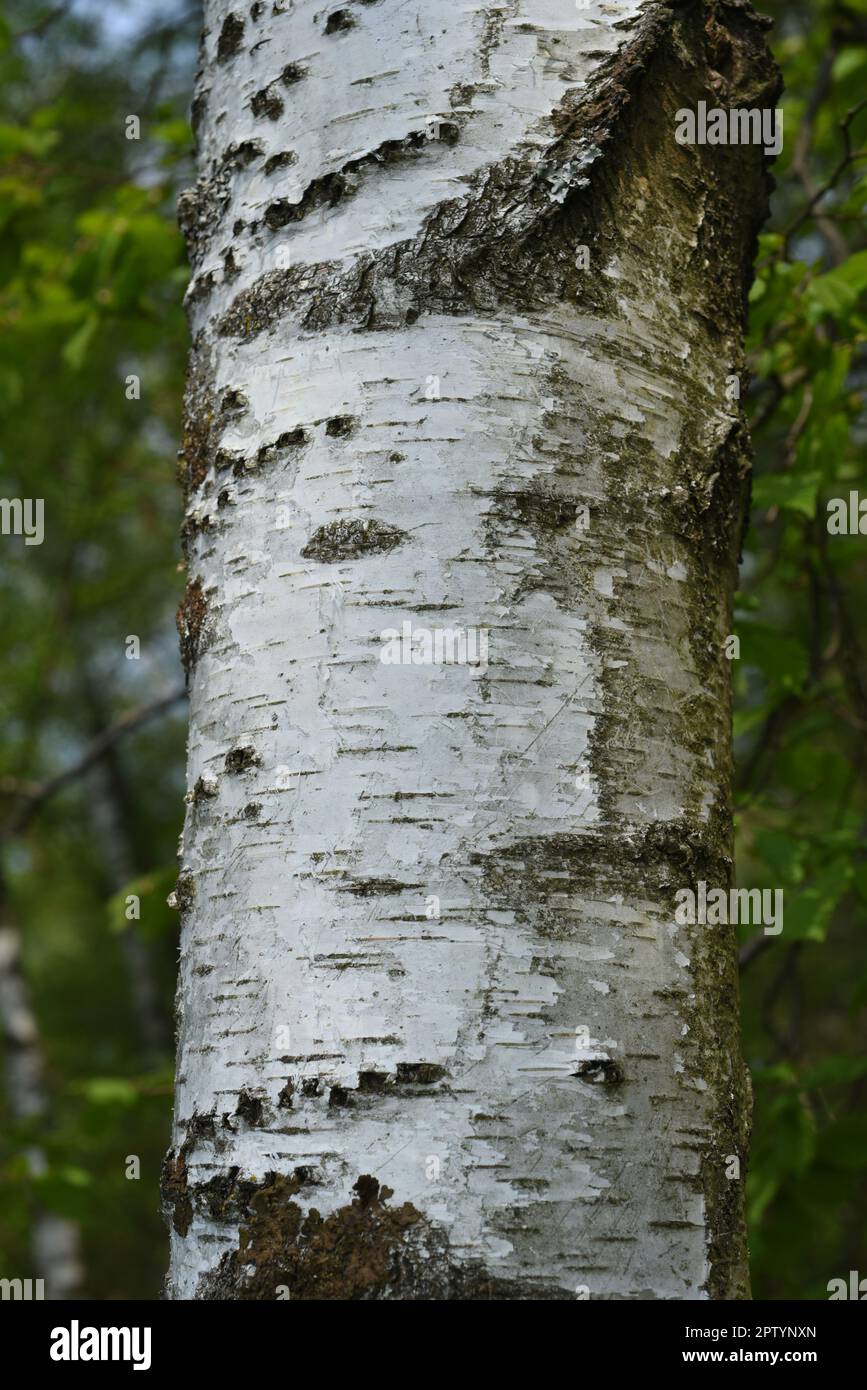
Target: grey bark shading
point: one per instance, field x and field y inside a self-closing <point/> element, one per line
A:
<point x="440" y="1035"/>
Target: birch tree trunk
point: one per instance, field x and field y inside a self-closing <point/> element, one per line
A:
<point x="465" y="321"/>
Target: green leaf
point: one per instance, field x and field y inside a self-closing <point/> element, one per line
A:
<point x="75" y="349"/>
<point x="797" y="492"/>
<point x="808" y="913"/>
<point x="839" y="290"/>
<point x="155" y="917"/>
<point x="784" y="854"/>
<point x="835" y="1071"/>
<point x="110" y="1090"/>
<point x="781" y="657"/>
<point x="761" y="1191"/>
<point x="19" y="140"/>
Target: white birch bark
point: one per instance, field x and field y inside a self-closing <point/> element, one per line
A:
<point x="409" y="401"/>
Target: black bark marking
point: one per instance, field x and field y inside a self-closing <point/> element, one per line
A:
<point x="372" y="1082"/>
<point x="233" y="403"/>
<point x="350" y="1254"/>
<point x="184" y="891"/>
<point x="231" y="268"/>
<point x="653" y="862"/>
<point x="280" y="161"/>
<point x="352" y="540"/>
<point x="600" y="1071"/>
<point x="291" y="439"/>
<point x="292" y="73"/>
<point x="231" y="37"/>
<point x="175" y="1192"/>
<point x="339" y="21"/>
<point x="340" y="426"/>
<point x="204" y="790"/>
<point x="419" y="1073"/>
<point x="330" y="189"/>
<point x="238" y="156"/>
<point x="250" y="1108"/>
<point x="240" y="760"/>
<point x="266" y="104"/>
<point x="375" y="887"/>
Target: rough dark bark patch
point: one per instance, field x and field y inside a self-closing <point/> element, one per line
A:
<point x="292" y="73"/>
<point x="175" y="1191"/>
<point x="339" y="21"/>
<point x="351" y="540"/>
<point x="191" y="623"/>
<point x="457" y="265"/>
<point x="231" y="38"/>
<point x="600" y="1071"/>
<point x="267" y="104"/>
<point x="240" y="760"/>
<point x="347" y="1255"/>
<point x="368" y="1250"/>
<point x="290" y="439"/>
<point x="250" y="1108"/>
<point x="653" y="865"/>
<point x="240" y="155"/>
<point x="283" y="160"/>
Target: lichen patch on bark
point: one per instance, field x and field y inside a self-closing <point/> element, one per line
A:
<point x="191" y="620"/>
<point x="351" y="539"/>
<point x="370" y="1249"/>
<point x="350" y="1254"/>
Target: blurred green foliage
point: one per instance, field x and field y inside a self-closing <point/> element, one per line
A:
<point x="92" y="273"/>
<point x="91" y="278"/>
<point x="801" y="714"/>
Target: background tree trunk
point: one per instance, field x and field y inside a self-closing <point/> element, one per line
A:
<point x="440" y="1036"/>
<point x="55" y="1241"/>
<point x="114" y="820"/>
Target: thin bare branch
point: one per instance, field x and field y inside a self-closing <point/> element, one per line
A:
<point x="96" y="749"/>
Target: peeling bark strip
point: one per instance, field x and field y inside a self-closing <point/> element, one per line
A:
<point x="463" y="316"/>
